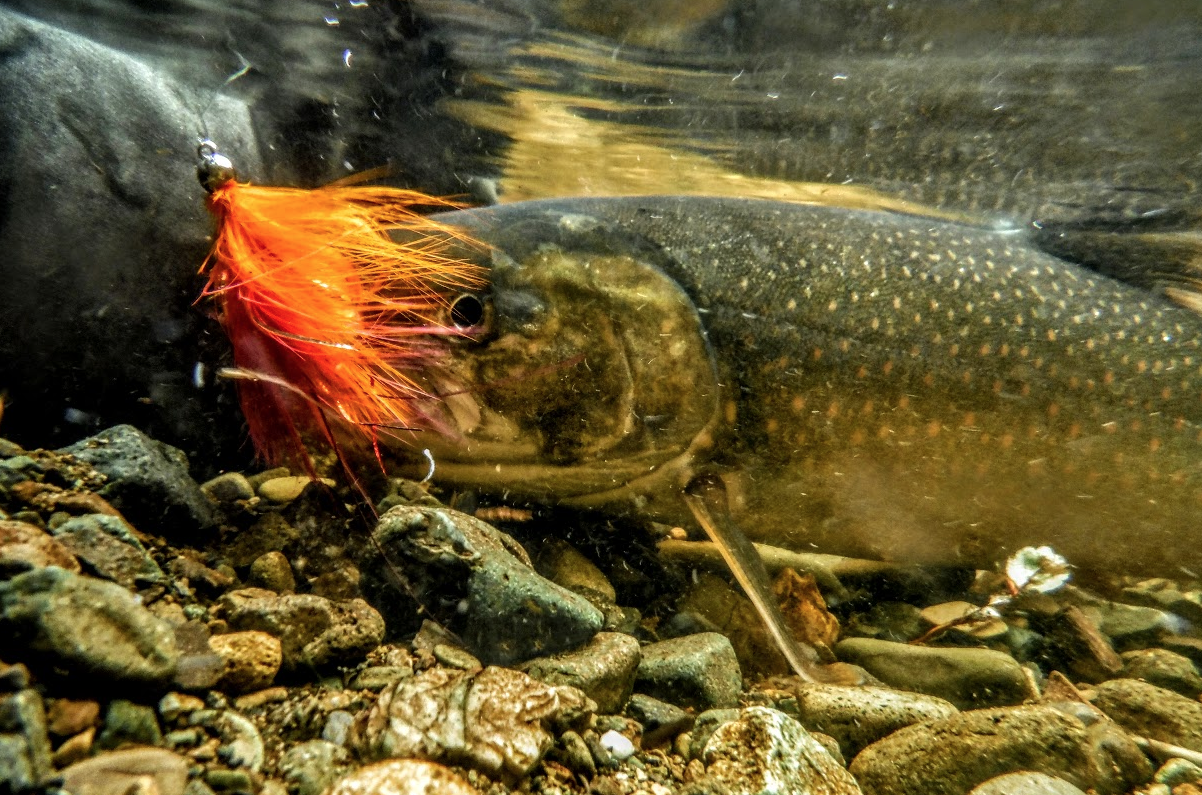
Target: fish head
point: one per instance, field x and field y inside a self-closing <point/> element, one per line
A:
<point x="582" y="370"/>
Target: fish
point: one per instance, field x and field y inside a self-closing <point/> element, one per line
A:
<point x="863" y="383"/>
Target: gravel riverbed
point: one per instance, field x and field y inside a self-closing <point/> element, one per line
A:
<point x="263" y="634"/>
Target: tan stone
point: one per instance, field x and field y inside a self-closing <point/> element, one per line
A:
<point x="252" y="659"/>
<point x="403" y="777"/>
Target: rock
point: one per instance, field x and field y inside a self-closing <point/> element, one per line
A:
<point x="511" y="613"/>
<point x="1178" y="771"/>
<point x="967" y="678"/>
<point x="896" y="621"/>
<point x="314" y="632"/>
<point x="698" y="671"/>
<point x="859" y="716"/>
<point x="86" y="628"/>
<point x="378" y="677"/>
<point x="66" y="717"/>
<point x="573" y="752"/>
<point x="228" y="487"/>
<point x="604" y="669"/>
<point x="241" y="744"/>
<point x="251" y="660"/>
<point x="24" y="546"/>
<point x="148" y="482"/>
<point x="338" y="725"/>
<point x="660" y="720"/>
<point x="281" y="490"/>
<point x="272" y="571"/>
<point x="207" y="581"/>
<point x="127" y="723"/>
<point x="562" y="564"/>
<point x="1153" y="712"/>
<point x="1130" y="626"/>
<point x="707" y="723"/>
<point x="175" y="705"/>
<point x="965" y="618"/>
<point x="75" y="749"/>
<point x="24" y="746"/>
<point x="271" y="533"/>
<point x="311" y="767"/>
<point x="109" y="549"/>
<point x="1185" y="646"/>
<point x="259" y="698"/>
<point x="955" y="754"/>
<point x="403" y="777"/>
<point x="1165" y="669"/>
<point x="496" y="721"/>
<point x="1026" y="784"/>
<point x="1077" y="646"/>
<point x="765" y="751"/>
<point x="13" y="677"/>
<point x="455" y="657"/>
<point x="116" y="772"/>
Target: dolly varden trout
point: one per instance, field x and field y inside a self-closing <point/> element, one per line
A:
<point x="863" y="383"/>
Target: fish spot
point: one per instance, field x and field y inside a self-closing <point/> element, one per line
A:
<point x="730" y="411"/>
<point x="791" y="305"/>
<point x="798" y="403"/>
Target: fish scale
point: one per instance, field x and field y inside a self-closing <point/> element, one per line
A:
<point x="885" y="386"/>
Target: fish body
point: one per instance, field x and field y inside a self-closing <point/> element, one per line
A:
<point x="864" y="383"/>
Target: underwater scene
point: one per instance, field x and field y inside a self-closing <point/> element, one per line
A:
<point x="725" y="397"/>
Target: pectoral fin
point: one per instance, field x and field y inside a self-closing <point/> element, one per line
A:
<point x="706" y="499"/>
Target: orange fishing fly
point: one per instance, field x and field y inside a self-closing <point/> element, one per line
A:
<point x="328" y="313"/>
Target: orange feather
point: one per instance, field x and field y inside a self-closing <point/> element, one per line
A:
<point x="327" y="313"/>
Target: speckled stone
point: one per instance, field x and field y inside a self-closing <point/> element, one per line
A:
<point x="968" y="678"/>
<point x="859" y="716"/>
<point x="1163" y="668"/>
<point x="228" y="487"/>
<point x="604" y="669"/>
<point x="251" y="660"/>
<point x="24" y="745"/>
<point x="509" y="612"/>
<point x="86" y="627"/>
<point x="1026" y="784"/>
<point x="1152" y="712"/>
<point x="25" y="546"/>
<point x="110" y="549"/>
<point x="698" y="671"/>
<point x="311" y="767"/>
<point x="955" y="754"/>
<point x="148" y="482"/>
<point x="116" y="772"/>
<point x="127" y="723"/>
<point x="765" y="752"/>
<point x="403" y="777"/>
<point x="314" y="631"/>
<point x="272" y="571"/>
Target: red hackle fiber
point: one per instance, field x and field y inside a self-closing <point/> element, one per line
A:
<point x="327" y="313"/>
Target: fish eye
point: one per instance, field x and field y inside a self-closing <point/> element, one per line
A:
<point x="467" y="311"/>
